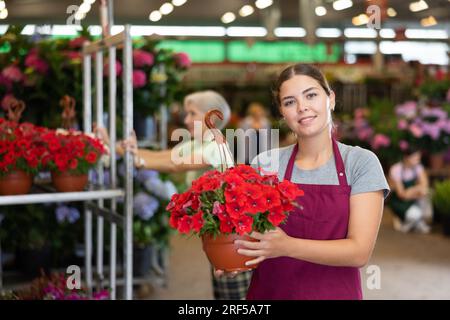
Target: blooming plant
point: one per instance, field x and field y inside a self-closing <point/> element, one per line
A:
<point x="239" y="200"/>
<point x="20" y="147"/>
<point x="71" y="151"/>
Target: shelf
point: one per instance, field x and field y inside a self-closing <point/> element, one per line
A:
<point x="47" y="197"/>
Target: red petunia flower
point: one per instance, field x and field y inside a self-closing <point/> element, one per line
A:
<point x="243" y="224"/>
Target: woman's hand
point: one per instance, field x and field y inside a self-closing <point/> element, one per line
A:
<point x="271" y="244"/>
<point x="101" y="133"/>
<point x="130" y="144"/>
<point x="222" y="273"/>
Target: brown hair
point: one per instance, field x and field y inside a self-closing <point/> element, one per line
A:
<point x="295" y="70"/>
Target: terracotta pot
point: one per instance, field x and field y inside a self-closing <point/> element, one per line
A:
<point x="437" y="161"/>
<point x="222" y="252"/>
<point x="17" y="182"/>
<point x="67" y="182"/>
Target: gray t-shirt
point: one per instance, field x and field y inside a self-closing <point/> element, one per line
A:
<point x="362" y="168"/>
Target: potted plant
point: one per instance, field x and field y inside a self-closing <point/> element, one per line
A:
<point x="70" y="155"/>
<point x="441" y="201"/>
<point x="20" y="154"/>
<point x="224" y="206"/>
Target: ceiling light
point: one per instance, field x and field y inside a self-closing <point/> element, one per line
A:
<point x="155" y="16"/>
<point x="89" y="1"/>
<point x="387" y="33"/>
<point x="418" y="6"/>
<point x="290" y="32"/>
<point x="80" y="15"/>
<point x="342" y="4"/>
<point x="328" y="33"/>
<point x="360" y="20"/>
<point x="84" y="8"/>
<point x="262" y="4"/>
<point x="428" y="22"/>
<point x="4" y="14"/>
<point x="228" y="17"/>
<point x="321" y="11"/>
<point x="426" y="34"/>
<point x="246" y="32"/>
<point x="166" y="8"/>
<point x="246" y="11"/>
<point x="2" y="5"/>
<point x="360" y="33"/>
<point x="178" y="3"/>
<point x="391" y="12"/>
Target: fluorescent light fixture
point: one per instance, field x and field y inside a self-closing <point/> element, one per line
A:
<point x="95" y="30"/>
<point x="320" y="11"/>
<point x="166" y="8"/>
<point x="428" y="22"/>
<point x="342" y="4"/>
<point x="178" y="3"/>
<point x="360" y="19"/>
<point x="328" y="33"/>
<point x="360" y="47"/>
<point x="424" y="52"/>
<point x="3" y="28"/>
<point x="387" y="33"/>
<point x="426" y="34"/>
<point x="391" y="12"/>
<point x="262" y="4"/>
<point x="246" y="11"/>
<point x="290" y="32"/>
<point x="418" y="6"/>
<point x="2" y="5"/>
<point x="246" y="32"/>
<point x="84" y="8"/>
<point x="228" y="17"/>
<point x="194" y="31"/>
<point x="4" y="14"/>
<point x="360" y="33"/>
<point x="65" y="30"/>
<point x="155" y="16"/>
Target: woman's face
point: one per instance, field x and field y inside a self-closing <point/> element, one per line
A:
<point x="193" y="114"/>
<point x="305" y="106"/>
<point x="413" y="159"/>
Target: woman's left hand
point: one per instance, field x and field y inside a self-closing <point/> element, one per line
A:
<point x="130" y="144"/>
<point x="271" y="244"/>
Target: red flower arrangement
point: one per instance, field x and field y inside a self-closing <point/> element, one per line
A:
<point x="239" y="200"/>
<point x="71" y="151"/>
<point x="20" y="147"/>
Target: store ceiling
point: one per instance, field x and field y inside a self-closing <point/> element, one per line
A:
<point x="209" y="12"/>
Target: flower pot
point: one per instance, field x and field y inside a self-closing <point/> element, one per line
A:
<point x="436" y="161"/>
<point x="16" y="182"/>
<point x="222" y="252"/>
<point x="67" y="182"/>
<point x="142" y="260"/>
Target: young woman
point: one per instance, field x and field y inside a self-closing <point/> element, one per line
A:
<point x="317" y="253"/>
<point x="194" y="157"/>
<point x="410" y="200"/>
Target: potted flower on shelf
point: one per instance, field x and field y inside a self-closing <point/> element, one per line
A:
<point x="70" y="155"/>
<point x="20" y="154"/>
<point x="225" y="206"/>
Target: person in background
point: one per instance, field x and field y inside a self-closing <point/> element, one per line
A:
<point x="410" y="197"/>
<point x="258" y="120"/>
<point x="196" y="105"/>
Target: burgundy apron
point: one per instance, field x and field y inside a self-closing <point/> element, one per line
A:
<point x="323" y="214"/>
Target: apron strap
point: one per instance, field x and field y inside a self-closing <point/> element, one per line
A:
<point x="340" y="168"/>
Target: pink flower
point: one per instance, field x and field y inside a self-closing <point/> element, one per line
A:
<point x="5" y="83"/>
<point x="431" y="130"/>
<point x="380" y="140"/>
<point x="12" y="73"/>
<point x="183" y="60"/>
<point x="139" y="79"/>
<point x="416" y="130"/>
<point x="77" y="42"/>
<point x="407" y="110"/>
<point x="142" y="58"/>
<point x="359" y="113"/>
<point x="402" y="124"/>
<point x="404" y="145"/>
<point x="118" y="69"/>
<point x="7" y="101"/>
<point x="364" y="134"/>
<point x="34" y="61"/>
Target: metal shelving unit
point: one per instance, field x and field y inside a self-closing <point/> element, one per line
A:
<point x="94" y="197"/>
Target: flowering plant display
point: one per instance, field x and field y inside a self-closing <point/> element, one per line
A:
<point x="239" y="200"/>
<point x="20" y="147"/>
<point x="71" y="151"/>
